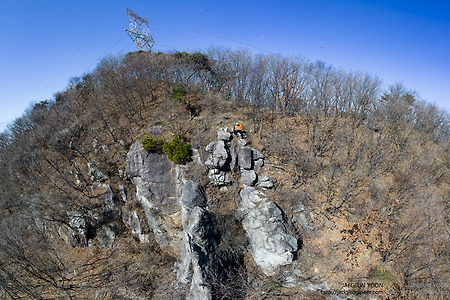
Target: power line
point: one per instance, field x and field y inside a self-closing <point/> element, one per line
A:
<point x="104" y="53"/>
<point x="168" y="46"/>
<point x="216" y="36"/>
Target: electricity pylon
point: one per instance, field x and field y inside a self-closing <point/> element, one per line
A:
<point x="138" y="31"/>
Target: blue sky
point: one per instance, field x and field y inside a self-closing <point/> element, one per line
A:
<point x="46" y="42"/>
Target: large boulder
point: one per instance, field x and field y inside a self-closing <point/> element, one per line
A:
<point x="248" y="177"/>
<point x="270" y="244"/>
<point x="245" y="158"/>
<point x="218" y="155"/>
<point x="242" y="142"/>
<point x="224" y="134"/>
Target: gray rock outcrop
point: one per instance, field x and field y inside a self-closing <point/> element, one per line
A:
<point x="257" y="155"/>
<point x="248" y="177"/>
<point x="233" y="159"/>
<point x="77" y="229"/>
<point x="76" y="220"/>
<point x="71" y="236"/>
<point x="219" y="178"/>
<point x="245" y="158"/>
<point x="300" y="216"/>
<point x="249" y="161"/>
<point x="265" y="182"/>
<point x="199" y="263"/>
<point x="258" y="158"/>
<point x="123" y="193"/>
<point x="95" y="174"/>
<point x="218" y="155"/>
<point x="224" y="134"/>
<point x="150" y="167"/>
<point x="132" y="220"/>
<point x="156" y="182"/>
<point x="219" y="159"/>
<point x="104" y="238"/>
<point x="86" y="228"/>
<point x="242" y="142"/>
<point x="270" y="244"/>
<point x="109" y="196"/>
<point x="192" y="195"/>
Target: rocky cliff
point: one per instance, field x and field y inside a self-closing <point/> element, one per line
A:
<point x="176" y="211"/>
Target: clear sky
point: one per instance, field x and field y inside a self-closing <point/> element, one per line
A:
<point x="46" y="42"/>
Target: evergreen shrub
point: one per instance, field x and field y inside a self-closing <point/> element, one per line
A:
<point x="151" y="144"/>
<point x="177" y="151"/>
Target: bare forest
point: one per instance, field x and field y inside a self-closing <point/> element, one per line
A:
<point x="368" y="164"/>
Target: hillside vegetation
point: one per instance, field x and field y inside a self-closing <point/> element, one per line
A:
<point x="362" y="175"/>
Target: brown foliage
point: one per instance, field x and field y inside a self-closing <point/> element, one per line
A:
<point x="373" y="169"/>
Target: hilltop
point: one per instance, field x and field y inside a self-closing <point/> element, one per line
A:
<point x="341" y="185"/>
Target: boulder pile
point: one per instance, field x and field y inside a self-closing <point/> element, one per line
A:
<point x="269" y="242"/>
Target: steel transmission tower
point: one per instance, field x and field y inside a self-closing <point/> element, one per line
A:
<point x="138" y="31"/>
